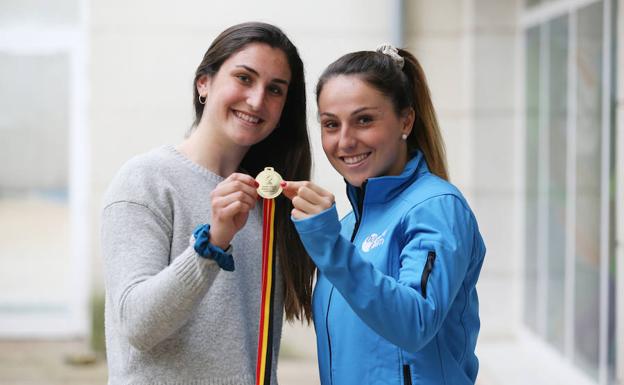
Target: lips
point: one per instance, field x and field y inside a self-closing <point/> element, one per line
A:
<point x="248" y="117"/>
<point x="354" y="159"/>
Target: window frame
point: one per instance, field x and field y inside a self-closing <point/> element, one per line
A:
<point x="540" y="15"/>
<point x="33" y="39"/>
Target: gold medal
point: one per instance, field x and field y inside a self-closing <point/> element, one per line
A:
<point x="269" y="181"/>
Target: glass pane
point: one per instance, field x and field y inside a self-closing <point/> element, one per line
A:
<point x="20" y="12"/>
<point x="557" y="141"/>
<point x="588" y="155"/>
<point x="532" y="152"/>
<point x="34" y="220"/>
<point x="611" y="333"/>
<point x="612" y="270"/>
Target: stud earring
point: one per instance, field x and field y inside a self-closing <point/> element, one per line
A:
<point x="404" y="136"/>
<point x="202" y="101"/>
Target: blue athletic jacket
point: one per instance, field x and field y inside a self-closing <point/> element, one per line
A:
<point x="395" y="299"/>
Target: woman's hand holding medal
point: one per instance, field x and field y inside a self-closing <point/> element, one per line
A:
<point x="231" y="202"/>
<point x="307" y="198"/>
<point x="236" y="196"/>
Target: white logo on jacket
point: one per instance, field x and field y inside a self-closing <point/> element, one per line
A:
<point x="372" y="241"/>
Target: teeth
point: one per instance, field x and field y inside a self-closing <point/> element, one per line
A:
<point x="246" y="117"/>
<point x="354" y="159"/>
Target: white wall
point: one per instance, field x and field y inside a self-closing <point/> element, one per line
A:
<point x="143" y="59"/>
<point x="144" y="54"/>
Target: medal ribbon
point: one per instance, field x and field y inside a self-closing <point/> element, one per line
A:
<point x="265" y="336"/>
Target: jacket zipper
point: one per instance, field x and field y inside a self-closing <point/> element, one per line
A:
<point x="360" y="208"/>
<point x="427" y="270"/>
<point x="407" y="375"/>
<point x="359" y="212"/>
<point x="331" y="292"/>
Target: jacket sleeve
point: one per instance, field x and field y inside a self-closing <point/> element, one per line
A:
<point x="148" y="297"/>
<point x="396" y="308"/>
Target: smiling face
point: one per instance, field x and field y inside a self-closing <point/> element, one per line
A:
<point x="360" y="130"/>
<point x="245" y="98"/>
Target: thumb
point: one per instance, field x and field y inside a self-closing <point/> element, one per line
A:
<point x="290" y="188"/>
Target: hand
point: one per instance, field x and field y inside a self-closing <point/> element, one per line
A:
<point x="231" y="202"/>
<point x="307" y="198"/>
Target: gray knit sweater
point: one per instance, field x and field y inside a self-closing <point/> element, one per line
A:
<point x="173" y="317"/>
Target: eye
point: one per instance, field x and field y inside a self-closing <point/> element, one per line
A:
<point x="244" y="78"/>
<point x="329" y="124"/>
<point x="364" y="120"/>
<point x="275" y="90"/>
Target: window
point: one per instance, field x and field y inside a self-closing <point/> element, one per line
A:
<point x="42" y="194"/>
<point x="569" y="275"/>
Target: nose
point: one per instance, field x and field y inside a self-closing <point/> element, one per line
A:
<point x="255" y="98"/>
<point x="347" y="140"/>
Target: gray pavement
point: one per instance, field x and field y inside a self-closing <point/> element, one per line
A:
<point x="64" y="362"/>
<point x="71" y="363"/>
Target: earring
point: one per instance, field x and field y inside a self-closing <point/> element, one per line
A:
<point x="404" y="136"/>
<point x="201" y="101"/>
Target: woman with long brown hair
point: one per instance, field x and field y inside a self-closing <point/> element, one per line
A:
<point x="181" y="230"/>
<point x="395" y="301"/>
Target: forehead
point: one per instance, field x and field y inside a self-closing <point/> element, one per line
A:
<point x="350" y="92"/>
<point x="262" y="58"/>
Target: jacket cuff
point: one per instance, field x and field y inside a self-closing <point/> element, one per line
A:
<point x="325" y="220"/>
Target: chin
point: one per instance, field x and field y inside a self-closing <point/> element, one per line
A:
<point x="248" y="140"/>
<point x="356" y="182"/>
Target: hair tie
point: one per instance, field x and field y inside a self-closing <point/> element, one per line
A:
<point x="390" y="50"/>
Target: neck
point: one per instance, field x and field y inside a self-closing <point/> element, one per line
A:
<point x="220" y="156"/>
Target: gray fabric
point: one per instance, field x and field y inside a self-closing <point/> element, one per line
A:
<point x="173" y="317"/>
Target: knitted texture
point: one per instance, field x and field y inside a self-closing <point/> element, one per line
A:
<point x="173" y="317"/>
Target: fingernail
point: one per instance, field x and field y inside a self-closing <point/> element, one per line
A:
<point x="283" y="184"/>
<point x="256" y="184"/>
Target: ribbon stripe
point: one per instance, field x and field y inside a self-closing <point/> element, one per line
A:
<point x="265" y="334"/>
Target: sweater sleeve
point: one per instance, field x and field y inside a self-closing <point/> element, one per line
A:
<point x="150" y="298"/>
<point x="396" y="308"/>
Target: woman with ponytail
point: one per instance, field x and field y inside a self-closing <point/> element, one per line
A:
<point x="395" y="300"/>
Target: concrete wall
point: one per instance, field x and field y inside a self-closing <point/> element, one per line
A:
<point x="461" y="45"/>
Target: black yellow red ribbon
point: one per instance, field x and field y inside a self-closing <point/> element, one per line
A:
<point x="265" y="335"/>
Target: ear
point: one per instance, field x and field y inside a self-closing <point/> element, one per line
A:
<point x="407" y="119"/>
<point x="202" y="84"/>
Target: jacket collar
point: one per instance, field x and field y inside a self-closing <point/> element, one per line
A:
<point x="385" y="188"/>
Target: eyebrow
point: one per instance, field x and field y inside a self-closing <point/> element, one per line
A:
<point x="253" y="71"/>
<point x="353" y="113"/>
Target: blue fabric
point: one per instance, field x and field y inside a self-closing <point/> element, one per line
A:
<point x="372" y="321"/>
<point x="205" y="249"/>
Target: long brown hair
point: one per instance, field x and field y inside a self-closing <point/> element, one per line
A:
<point x="287" y="149"/>
<point x="406" y="87"/>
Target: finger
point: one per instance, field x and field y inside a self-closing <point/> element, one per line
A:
<point x="230" y="186"/>
<point x="317" y="189"/>
<point x="306" y="206"/>
<point x="232" y="210"/>
<point x="219" y="202"/>
<point x="244" y="178"/>
<point x="298" y="214"/>
<point x="310" y="194"/>
<point x="289" y="188"/>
